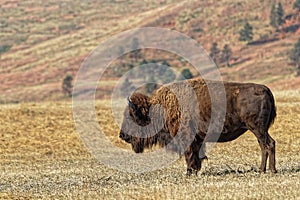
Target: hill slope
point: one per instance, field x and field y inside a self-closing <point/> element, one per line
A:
<point x="43" y="41"/>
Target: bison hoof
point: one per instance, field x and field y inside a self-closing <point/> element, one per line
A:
<point x="262" y="171"/>
<point x="189" y="172"/>
<point x="274" y="171"/>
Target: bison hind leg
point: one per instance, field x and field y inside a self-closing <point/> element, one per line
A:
<point x="264" y="157"/>
<point x="267" y="145"/>
<point x="271" y="151"/>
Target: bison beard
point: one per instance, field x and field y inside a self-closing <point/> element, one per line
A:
<point x="249" y="107"/>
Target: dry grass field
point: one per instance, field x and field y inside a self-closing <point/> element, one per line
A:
<point x="42" y="156"/>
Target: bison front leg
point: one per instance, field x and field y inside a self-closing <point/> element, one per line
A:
<point x="193" y="161"/>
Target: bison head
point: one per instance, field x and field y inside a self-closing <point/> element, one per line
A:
<point x="136" y="116"/>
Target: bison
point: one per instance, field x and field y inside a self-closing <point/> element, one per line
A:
<point x="249" y="106"/>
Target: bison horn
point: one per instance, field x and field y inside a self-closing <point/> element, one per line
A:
<point x="130" y="104"/>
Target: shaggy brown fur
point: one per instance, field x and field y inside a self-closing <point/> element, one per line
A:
<point x="249" y="107"/>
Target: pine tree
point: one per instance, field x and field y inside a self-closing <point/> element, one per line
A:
<point x="226" y="54"/>
<point x="135" y="43"/>
<point x="120" y="53"/>
<point x="126" y="83"/>
<point x="120" y="50"/>
<point x="136" y="49"/>
<point x="144" y="62"/>
<point x="273" y="18"/>
<point x="295" y="56"/>
<point x="142" y="69"/>
<point x="165" y="63"/>
<point x="126" y="87"/>
<point x="280" y="14"/>
<point x="151" y="85"/>
<point x="297" y="5"/>
<point x="67" y="85"/>
<point x="246" y="34"/>
<point x="186" y="74"/>
<point x="4" y="48"/>
<point x="163" y="68"/>
<point x="214" y="52"/>
<point x="169" y="76"/>
<point x="277" y="15"/>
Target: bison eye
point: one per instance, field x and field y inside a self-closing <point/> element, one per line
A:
<point x="122" y="135"/>
<point x="125" y="137"/>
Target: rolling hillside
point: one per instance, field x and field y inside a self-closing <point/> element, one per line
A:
<point x="42" y="42"/>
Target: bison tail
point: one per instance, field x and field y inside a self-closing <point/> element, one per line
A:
<point x="273" y="108"/>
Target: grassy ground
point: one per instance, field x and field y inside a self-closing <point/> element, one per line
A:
<point x="42" y="156"/>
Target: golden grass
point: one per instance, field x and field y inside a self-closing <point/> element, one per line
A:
<point x="42" y="156"/>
